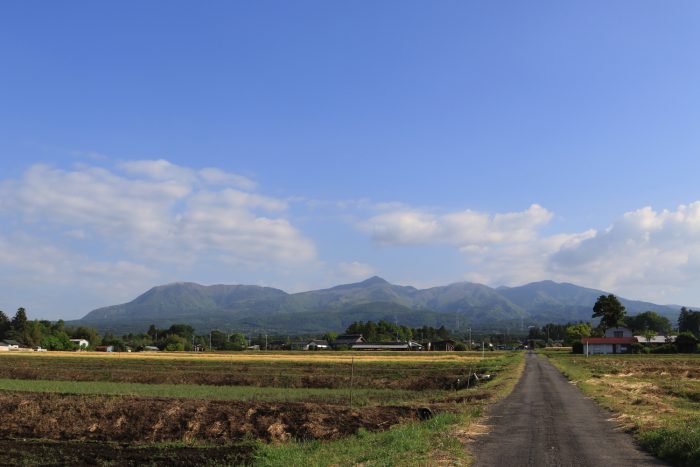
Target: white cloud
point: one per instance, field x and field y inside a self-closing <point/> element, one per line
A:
<point x="355" y="270"/>
<point x="465" y="229"/>
<point x="159" y="211"/>
<point x="31" y="261"/>
<point x="644" y="254"/>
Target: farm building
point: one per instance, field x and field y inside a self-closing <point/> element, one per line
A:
<point x="446" y="345"/>
<point x="656" y="340"/>
<point x="348" y="340"/>
<point x="410" y="345"/>
<point x="104" y="348"/>
<point x="81" y="343"/>
<point x="9" y="344"/>
<point x="150" y="348"/>
<point x="317" y="344"/>
<point x="616" y="340"/>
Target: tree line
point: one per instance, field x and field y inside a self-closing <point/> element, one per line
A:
<point x="387" y="331"/>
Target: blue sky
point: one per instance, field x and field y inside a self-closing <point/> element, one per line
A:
<point x="304" y="144"/>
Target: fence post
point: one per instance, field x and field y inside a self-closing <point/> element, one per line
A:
<point x="352" y="378"/>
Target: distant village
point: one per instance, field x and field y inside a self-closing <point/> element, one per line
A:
<point x="646" y="332"/>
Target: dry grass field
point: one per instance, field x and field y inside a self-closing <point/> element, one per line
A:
<point x="655" y="397"/>
<point x="243" y="408"/>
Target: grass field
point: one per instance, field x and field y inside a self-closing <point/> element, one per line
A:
<point x="656" y="397"/>
<point x="316" y="408"/>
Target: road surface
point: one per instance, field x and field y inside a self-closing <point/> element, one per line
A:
<point x="546" y="421"/>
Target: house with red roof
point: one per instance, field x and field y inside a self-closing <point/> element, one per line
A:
<point x="616" y="340"/>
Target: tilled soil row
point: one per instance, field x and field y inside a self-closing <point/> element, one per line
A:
<point x="148" y="420"/>
<point x="426" y="381"/>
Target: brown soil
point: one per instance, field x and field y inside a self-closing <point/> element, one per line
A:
<point x="147" y="420"/>
<point x="50" y="453"/>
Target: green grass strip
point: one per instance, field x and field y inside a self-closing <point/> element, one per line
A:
<point x="411" y="444"/>
<point x="196" y="391"/>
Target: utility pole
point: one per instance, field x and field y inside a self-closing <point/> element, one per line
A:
<point x="210" y="341"/>
<point x="265" y="341"/>
<point x="470" y="338"/>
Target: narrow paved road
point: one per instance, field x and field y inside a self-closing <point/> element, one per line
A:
<point x="547" y="421"/>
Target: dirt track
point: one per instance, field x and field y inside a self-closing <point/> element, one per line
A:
<point x="547" y="421"/>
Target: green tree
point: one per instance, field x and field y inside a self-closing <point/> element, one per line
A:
<point x="237" y="341"/>
<point x="174" y="342"/>
<point x="330" y="336"/>
<point x="32" y="333"/>
<point x="4" y="324"/>
<point x="686" y="342"/>
<point x="19" y="321"/>
<point x="689" y="321"/>
<point x="182" y="330"/>
<point x="649" y="320"/>
<point x="576" y="332"/>
<point x="649" y="335"/>
<point x="610" y="311"/>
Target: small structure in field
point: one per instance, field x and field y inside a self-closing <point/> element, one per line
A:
<point x="616" y="340"/>
<point x="104" y="348"/>
<point x="317" y="344"/>
<point x="151" y="348"/>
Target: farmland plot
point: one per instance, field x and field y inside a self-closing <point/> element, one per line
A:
<point x="242" y="408"/>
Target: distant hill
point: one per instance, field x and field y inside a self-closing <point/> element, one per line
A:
<point x="252" y="308"/>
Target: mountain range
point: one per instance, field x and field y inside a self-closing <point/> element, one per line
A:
<point x="251" y="308"/>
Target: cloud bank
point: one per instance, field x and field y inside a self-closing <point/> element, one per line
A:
<point x="645" y="253"/>
<point x="146" y="215"/>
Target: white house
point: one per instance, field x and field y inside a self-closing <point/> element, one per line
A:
<point x="81" y="343"/>
<point x="10" y="344"/>
<point x="616" y="340"/>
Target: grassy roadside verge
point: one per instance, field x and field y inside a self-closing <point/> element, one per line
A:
<point x="656" y="398"/>
<point x="438" y="441"/>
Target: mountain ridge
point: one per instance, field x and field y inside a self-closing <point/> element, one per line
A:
<point x="457" y="305"/>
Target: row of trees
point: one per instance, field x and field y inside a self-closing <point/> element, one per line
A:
<point x="386" y="331"/>
<point x="40" y="333"/>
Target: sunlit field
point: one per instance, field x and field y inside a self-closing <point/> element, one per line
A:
<point x="656" y="397"/>
<point x="244" y="407"/>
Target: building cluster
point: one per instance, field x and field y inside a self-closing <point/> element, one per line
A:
<point x="620" y="340"/>
<point x="358" y="342"/>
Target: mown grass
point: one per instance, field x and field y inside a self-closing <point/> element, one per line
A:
<point x="360" y="397"/>
<point x="656" y="397"/>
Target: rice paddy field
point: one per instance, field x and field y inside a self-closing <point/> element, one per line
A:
<point x="655" y="397"/>
<point x="315" y="408"/>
